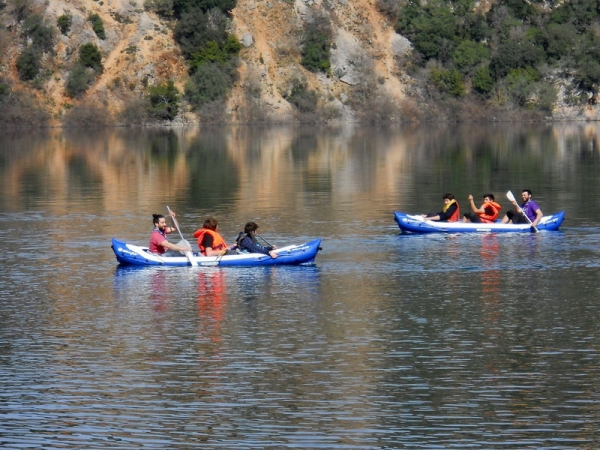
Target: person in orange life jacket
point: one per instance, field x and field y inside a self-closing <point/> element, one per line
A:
<point x="246" y="240"/>
<point x="158" y="239"/>
<point x="486" y="213"/>
<point x="210" y="242"/>
<point x="528" y="207"/>
<point x="450" y="212"/>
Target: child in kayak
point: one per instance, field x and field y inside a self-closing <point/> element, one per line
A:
<point x="246" y="241"/>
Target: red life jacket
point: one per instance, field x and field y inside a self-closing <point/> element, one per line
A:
<point x="218" y="241"/>
<point x="489" y="218"/>
<point x="456" y="216"/>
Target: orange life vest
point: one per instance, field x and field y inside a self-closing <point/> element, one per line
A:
<point x="488" y="218"/>
<point x="218" y="241"/>
<point x="456" y="216"/>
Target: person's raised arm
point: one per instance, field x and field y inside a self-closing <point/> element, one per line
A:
<point x="474" y="208"/>
<point x="170" y="229"/>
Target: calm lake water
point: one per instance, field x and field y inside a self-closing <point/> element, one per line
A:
<point x="388" y="341"/>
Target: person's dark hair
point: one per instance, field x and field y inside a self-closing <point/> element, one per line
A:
<point x="491" y="197"/>
<point x="210" y="223"/>
<point x="156" y="218"/>
<point x="448" y="196"/>
<point x="250" y="227"/>
<point x="528" y="192"/>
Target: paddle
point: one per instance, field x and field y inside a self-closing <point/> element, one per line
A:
<point x="266" y="242"/>
<point x="188" y="254"/>
<point x="511" y="198"/>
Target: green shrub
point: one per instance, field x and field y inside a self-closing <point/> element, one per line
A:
<point x="431" y="27"/>
<point x="97" y="25"/>
<point x="84" y="73"/>
<point x="547" y="96"/>
<point x="64" y="23"/>
<point x="559" y="40"/>
<point x="482" y="81"/>
<point x="587" y="62"/>
<point x="515" y="54"/>
<point x="581" y="13"/>
<point x="316" y="50"/>
<point x="448" y="81"/>
<point x="303" y="99"/>
<point x="163" y="101"/>
<point x="521" y="9"/>
<point x="195" y="30"/>
<point x="28" y="63"/>
<point x="122" y="19"/>
<point x="520" y="86"/>
<point x="41" y="35"/>
<point x="90" y="56"/>
<point x="212" y="52"/>
<point x="79" y="81"/>
<point x="4" y="91"/>
<point x="210" y="82"/>
<point x="587" y="75"/>
<point x="469" y="54"/>
<point x="181" y="7"/>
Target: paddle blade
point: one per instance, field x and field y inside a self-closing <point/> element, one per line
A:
<point x="510" y="196"/>
<point x="189" y="255"/>
<point x="191" y="259"/>
<point x="184" y="243"/>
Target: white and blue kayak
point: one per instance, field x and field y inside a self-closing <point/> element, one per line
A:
<point x="129" y="254"/>
<point x="417" y="224"/>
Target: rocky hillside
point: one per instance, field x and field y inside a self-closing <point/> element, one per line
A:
<point x="365" y="82"/>
<point x="139" y="51"/>
<point x="364" y="55"/>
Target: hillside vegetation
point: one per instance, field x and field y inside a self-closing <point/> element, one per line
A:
<point x="107" y="62"/>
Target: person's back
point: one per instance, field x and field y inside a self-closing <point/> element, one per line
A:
<point x="210" y="241"/>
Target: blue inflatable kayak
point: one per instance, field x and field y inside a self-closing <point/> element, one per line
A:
<point x="416" y="224"/>
<point x="130" y="254"/>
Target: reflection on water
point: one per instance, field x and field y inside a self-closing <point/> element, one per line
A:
<point x="389" y="341"/>
<point x="214" y="169"/>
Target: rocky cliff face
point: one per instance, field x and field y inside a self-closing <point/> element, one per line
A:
<point x="364" y="56"/>
<point x="139" y="50"/>
<point x="365" y="80"/>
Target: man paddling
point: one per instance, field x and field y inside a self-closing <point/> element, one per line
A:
<point x="158" y="239"/>
<point x="529" y="207"/>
